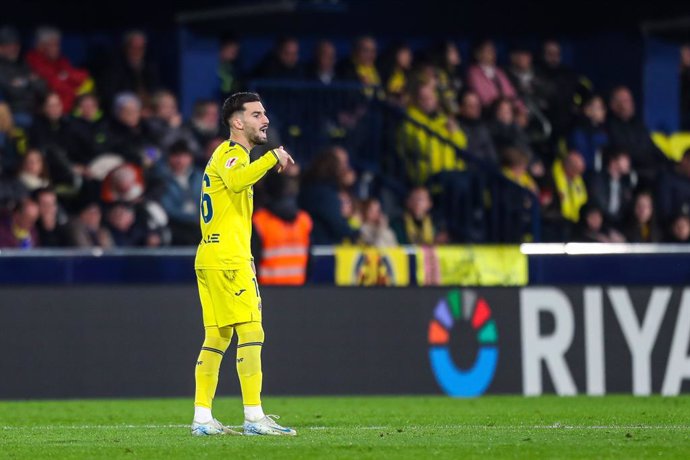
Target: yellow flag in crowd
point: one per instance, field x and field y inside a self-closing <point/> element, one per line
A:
<point x="471" y="266"/>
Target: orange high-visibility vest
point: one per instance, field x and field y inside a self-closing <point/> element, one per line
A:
<point x="285" y="247"/>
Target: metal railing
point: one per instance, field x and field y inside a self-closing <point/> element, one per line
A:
<point x="308" y="116"/>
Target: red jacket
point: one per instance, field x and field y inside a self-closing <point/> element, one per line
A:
<point x="59" y="74"/>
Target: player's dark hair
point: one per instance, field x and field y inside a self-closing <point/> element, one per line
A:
<point x="235" y="103"/>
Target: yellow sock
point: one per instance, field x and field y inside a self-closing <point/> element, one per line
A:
<point x="208" y="364"/>
<point x="250" y="338"/>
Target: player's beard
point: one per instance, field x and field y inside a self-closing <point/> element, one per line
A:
<point x="258" y="138"/>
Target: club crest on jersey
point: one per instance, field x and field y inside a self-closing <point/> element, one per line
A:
<point x="230" y="162"/>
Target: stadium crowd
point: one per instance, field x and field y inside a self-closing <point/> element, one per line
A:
<point x="104" y="158"/>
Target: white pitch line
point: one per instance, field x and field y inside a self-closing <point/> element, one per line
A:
<point x="392" y="427"/>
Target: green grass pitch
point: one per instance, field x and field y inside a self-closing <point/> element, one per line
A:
<point x="357" y="428"/>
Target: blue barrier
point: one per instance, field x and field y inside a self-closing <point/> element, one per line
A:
<point x="562" y="264"/>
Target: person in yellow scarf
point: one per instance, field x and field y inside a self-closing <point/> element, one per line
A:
<point x="515" y="164"/>
<point x="361" y="66"/>
<point x="416" y="226"/>
<point x="563" y="200"/>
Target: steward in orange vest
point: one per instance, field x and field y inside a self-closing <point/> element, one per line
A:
<point x="284" y="249"/>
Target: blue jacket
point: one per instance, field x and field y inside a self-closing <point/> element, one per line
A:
<point x="587" y="140"/>
<point x="181" y="204"/>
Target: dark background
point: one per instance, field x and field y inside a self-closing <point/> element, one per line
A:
<point x="351" y="16"/>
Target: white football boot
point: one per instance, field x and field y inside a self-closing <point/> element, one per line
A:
<point x="267" y="426"/>
<point x="212" y="428"/>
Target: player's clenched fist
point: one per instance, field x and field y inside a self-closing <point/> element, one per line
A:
<point x="283" y="158"/>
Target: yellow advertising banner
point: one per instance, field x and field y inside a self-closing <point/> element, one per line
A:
<point x="471" y="266"/>
<point x="363" y="266"/>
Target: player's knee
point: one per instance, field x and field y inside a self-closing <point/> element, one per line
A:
<point x="216" y="343"/>
<point x="250" y="333"/>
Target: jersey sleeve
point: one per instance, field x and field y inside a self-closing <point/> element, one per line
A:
<point x="238" y="176"/>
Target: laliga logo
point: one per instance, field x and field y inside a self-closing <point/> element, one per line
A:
<point x="458" y="307"/>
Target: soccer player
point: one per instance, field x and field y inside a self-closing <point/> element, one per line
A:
<point x="225" y="271"/>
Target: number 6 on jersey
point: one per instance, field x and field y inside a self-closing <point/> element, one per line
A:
<point x="206" y="205"/>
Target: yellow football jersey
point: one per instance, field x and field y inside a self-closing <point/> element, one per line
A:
<point x="227" y="205"/>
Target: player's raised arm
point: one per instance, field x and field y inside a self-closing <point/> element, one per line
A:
<point x="239" y="175"/>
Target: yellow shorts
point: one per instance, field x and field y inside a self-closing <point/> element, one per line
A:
<point x="228" y="296"/>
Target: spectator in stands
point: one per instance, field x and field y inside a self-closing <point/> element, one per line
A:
<point x="429" y="140"/>
<point x="593" y="229"/>
<point x="125" y="185"/>
<point x="479" y="142"/>
<point x="685" y="87"/>
<point x="123" y="227"/>
<point x="515" y="166"/>
<point x="486" y="79"/>
<point x="565" y="87"/>
<point x="611" y="190"/>
<point x="86" y="229"/>
<point x="166" y="125"/>
<point x="446" y="59"/>
<point x="33" y="172"/>
<point x="13" y="141"/>
<point x="14" y="189"/>
<point x="322" y="68"/>
<point x="533" y="91"/>
<point x="375" y="230"/>
<point x="90" y="126"/>
<point x="179" y="194"/>
<point x="642" y="224"/>
<point x="328" y="174"/>
<point x="281" y="237"/>
<point x="128" y="135"/>
<point x="589" y="137"/>
<point x="396" y="66"/>
<point x="48" y="63"/>
<point x="679" y="231"/>
<point x="416" y="226"/>
<point x="52" y="227"/>
<point x="504" y="129"/>
<point x="361" y="65"/>
<point x="673" y="188"/>
<point x="19" y="229"/>
<point x="283" y="62"/>
<point x="21" y="88"/>
<point x="132" y="71"/>
<point x="527" y="81"/>
<point x="564" y="196"/>
<point x="54" y="134"/>
<point x="229" y="73"/>
<point x="350" y="210"/>
<point x="204" y="125"/>
<point x="629" y="132"/>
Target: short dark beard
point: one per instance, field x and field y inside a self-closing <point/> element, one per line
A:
<point x="256" y="140"/>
